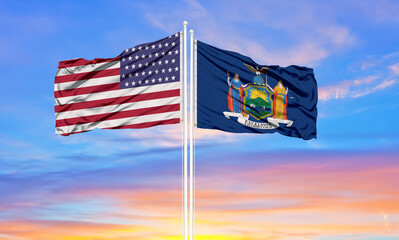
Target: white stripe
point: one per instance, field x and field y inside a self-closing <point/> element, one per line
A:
<point x="88" y="68"/>
<point x="117" y="93"/>
<point x="87" y="83"/>
<point x="118" y="122"/>
<point x="117" y="108"/>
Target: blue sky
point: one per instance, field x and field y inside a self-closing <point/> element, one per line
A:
<point x="121" y="174"/>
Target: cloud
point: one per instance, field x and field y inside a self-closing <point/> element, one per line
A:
<point x="386" y="222"/>
<point x="312" y="194"/>
<point x="382" y="11"/>
<point x="312" y="198"/>
<point x="372" y="62"/>
<point x="171" y="136"/>
<point x="382" y="74"/>
<point x="385" y="84"/>
<point x="349" y="88"/>
<point x="49" y="230"/>
<point x="304" y="36"/>
<point x="395" y="69"/>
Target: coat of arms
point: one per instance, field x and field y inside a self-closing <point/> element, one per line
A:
<point x="266" y="105"/>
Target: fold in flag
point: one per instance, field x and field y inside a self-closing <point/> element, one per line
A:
<point x="235" y="94"/>
<point x="139" y="88"/>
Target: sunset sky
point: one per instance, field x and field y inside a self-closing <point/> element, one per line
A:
<point x="127" y="184"/>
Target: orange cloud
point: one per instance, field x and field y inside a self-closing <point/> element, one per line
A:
<point x="310" y="200"/>
<point x="68" y="230"/>
<point x="284" y="201"/>
<point x="334" y="195"/>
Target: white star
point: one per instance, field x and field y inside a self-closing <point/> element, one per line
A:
<point x="176" y="52"/>
<point x="170" y="36"/>
<point x="143" y="73"/>
<point x="173" y="60"/>
<point x="156" y="71"/>
<point x="160" y="62"/>
<point x="146" y="81"/>
<point x="130" y="58"/>
<point x="169" y="53"/>
<point x="127" y="67"/>
<point x="170" y="69"/>
<point x="166" y="44"/>
<point x="137" y="74"/>
<point x="163" y="53"/>
<point x="153" y="64"/>
<point x="166" y="61"/>
<point x="153" y="80"/>
<point x="150" y="55"/>
<point x="173" y="77"/>
<point x="146" y="47"/>
<point x="159" y="79"/>
<point x="127" y="50"/>
<point x="176" y="35"/>
<point x="133" y="66"/>
<point x="126" y="84"/>
<point x="143" y="56"/>
<point x="140" y="82"/>
<point x="130" y="75"/>
<point x="136" y="57"/>
<point x="133" y="83"/>
<point x="140" y="65"/>
<point x="123" y="59"/>
<point x="166" y="79"/>
<point x="176" y="69"/>
<point x="140" y="47"/>
<point x="153" y="46"/>
<point x="146" y="64"/>
<point x="159" y="45"/>
<point x="149" y="72"/>
<point x="156" y="54"/>
<point x="163" y="70"/>
<point x="173" y="44"/>
<point x="133" y="49"/>
<point x="123" y="75"/>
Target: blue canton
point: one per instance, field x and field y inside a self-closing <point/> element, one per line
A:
<point x="151" y="63"/>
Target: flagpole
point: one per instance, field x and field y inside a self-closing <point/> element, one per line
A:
<point x="185" y="129"/>
<point x="191" y="135"/>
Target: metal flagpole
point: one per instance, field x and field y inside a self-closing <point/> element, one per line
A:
<point x="185" y="129"/>
<point x="191" y="135"/>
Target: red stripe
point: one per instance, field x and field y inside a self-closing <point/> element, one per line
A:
<point x="86" y="90"/>
<point x="137" y="125"/>
<point x="87" y="75"/>
<point x="117" y="100"/>
<point x="67" y="134"/>
<point x="82" y="61"/>
<point x="117" y="115"/>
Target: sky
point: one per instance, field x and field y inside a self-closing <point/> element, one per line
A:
<point x="127" y="184"/>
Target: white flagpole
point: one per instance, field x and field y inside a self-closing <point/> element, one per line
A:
<point x="191" y="135"/>
<point x="185" y="129"/>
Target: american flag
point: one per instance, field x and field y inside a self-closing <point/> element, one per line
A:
<point x="140" y="88"/>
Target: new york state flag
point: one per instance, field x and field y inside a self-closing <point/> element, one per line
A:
<point x="235" y="94"/>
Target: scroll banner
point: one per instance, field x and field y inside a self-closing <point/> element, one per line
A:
<point x="272" y="123"/>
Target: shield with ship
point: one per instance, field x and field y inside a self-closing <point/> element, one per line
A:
<point x="258" y="102"/>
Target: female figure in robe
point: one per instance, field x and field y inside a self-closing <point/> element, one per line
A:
<point x="235" y="94"/>
<point x="280" y="101"/>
